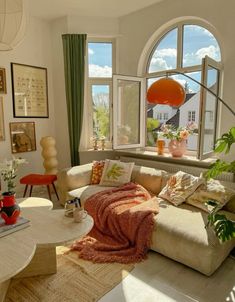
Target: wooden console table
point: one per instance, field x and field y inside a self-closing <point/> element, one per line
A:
<point x="32" y="251"/>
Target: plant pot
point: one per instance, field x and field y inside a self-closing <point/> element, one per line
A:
<point x="177" y="148"/>
<point x="9" y="210"/>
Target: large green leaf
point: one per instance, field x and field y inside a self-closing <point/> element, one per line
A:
<point x="232" y="130"/>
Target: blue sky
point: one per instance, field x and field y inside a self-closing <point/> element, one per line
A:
<point x="198" y="42"/>
<point x="100" y="59"/>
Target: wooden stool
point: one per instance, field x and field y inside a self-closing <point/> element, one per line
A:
<point x="39" y="180"/>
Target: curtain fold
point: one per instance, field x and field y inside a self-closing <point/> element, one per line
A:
<point x="74" y="47"/>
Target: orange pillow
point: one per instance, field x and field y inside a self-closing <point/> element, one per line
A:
<point x="97" y="170"/>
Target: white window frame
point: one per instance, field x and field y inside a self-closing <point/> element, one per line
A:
<point x="116" y="109"/>
<point x="179" y="65"/>
<point x="107" y="81"/>
<point x="206" y="62"/>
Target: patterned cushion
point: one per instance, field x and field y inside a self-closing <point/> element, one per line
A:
<point x="116" y="173"/>
<point x="179" y="187"/>
<point x="211" y="190"/>
<point x="97" y="170"/>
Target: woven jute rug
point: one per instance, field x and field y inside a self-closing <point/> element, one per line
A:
<point x="76" y="280"/>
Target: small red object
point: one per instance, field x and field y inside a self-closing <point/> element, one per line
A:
<point x="39" y="180"/>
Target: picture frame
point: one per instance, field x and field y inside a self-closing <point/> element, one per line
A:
<point x="23" y="138"/>
<point x="30" y="91"/>
<point x="2" y="128"/>
<point x="3" y="83"/>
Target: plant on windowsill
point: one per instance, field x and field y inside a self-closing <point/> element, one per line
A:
<point x="178" y="137"/>
<point x="224" y="228"/>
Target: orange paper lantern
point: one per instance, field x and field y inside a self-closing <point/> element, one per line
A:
<point x="166" y="91"/>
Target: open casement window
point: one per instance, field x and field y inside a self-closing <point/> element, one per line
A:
<point x="209" y="107"/>
<point x="128" y="112"/>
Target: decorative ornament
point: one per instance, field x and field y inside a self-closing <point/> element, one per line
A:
<point x="13" y="19"/>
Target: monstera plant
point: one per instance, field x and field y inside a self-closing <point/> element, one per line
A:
<point x="224" y="227"/>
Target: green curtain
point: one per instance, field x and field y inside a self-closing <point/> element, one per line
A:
<point x="74" y="46"/>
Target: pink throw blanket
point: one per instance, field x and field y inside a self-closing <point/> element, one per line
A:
<point x="123" y="225"/>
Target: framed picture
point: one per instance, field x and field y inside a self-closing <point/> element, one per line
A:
<point x="29" y="89"/>
<point x="2" y="130"/>
<point x="3" y="85"/>
<point x="22" y="137"/>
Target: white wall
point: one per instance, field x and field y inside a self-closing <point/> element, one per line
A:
<point x="137" y="29"/>
<point x="35" y="50"/>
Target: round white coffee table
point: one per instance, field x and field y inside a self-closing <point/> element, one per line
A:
<point x="32" y="251"/>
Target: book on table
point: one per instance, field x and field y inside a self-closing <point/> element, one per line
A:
<point x="11" y="228"/>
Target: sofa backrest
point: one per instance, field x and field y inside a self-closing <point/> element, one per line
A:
<point x="150" y="178"/>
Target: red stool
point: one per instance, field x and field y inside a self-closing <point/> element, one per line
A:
<point x="39" y="180"/>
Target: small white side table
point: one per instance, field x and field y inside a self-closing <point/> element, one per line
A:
<point x="32" y="251"/>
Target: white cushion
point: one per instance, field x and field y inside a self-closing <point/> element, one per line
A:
<point x="179" y="187"/>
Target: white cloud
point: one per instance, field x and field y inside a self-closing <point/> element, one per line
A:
<point x="210" y="51"/>
<point x="195" y="58"/>
<point x="158" y="64"/>
<point x="90" y="51"/>
<point x="201" y="29"/>
<point x="165" y="52"/>
<point x="100" y="71"/>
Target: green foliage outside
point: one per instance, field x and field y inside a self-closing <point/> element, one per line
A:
<point x="101" y="121"/>
<point x="151" y="134"/>
<point x="223" y="227"/>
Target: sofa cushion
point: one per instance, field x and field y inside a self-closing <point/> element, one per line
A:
<point x="97" y="170"/>
<point x="116" y="173"/>
<point x="180" y="234"/>
<point x="230" y="206"/>
<point x="211" y="190"/>
<point x="85" y="192"/>
<point x="149" y="178"/>
<point x="180" y="186"/>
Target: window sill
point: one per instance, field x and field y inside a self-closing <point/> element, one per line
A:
<point x="189" y="160"/>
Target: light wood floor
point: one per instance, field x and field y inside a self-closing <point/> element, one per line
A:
<point x="159" y="279"/>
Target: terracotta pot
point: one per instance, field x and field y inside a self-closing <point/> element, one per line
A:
<point x="177" y="148"/>
<point x="9" y="210"/>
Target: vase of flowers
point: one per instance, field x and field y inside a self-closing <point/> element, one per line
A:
<point x="178" y="138"/>
<point x="9" y="210"/>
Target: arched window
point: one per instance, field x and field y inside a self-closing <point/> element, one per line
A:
<point x="182" y="49"/>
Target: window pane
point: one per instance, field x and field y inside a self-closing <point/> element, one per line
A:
<point x="197" y="43"/>
<point x="210" y="111"/>
<point x="101" y="110"/>
<point x="165" y="55"/>
<point x="100" y="60"/>
<point x="178" y="117"/>
<point x="128" y="115"/>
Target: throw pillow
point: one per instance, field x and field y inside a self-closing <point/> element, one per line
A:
<point x="179" y="187"/>
<point x="97" y="170"/>
<point x="211" y="190"/>
<point x="116" y="173"/>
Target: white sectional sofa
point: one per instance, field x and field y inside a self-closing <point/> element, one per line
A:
<point x="180" y="232"/>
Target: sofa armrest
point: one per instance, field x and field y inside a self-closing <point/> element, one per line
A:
<point x="72" y="178"/>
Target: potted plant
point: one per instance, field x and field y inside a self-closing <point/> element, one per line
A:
<point x="224" y="228"/>
<point x="178" y="137"/>
<point x="9" y="210"/>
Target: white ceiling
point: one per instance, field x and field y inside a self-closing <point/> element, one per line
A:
<point x="51" y="9"/>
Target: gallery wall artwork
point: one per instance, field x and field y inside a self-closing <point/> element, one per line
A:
<point x="29" y="88"/>
<point x="23" y="137"/>
<point x="2" y="130"/>
<point x="3" y="84"/>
